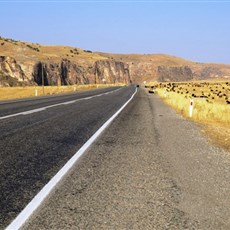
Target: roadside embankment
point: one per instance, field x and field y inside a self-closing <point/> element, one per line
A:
<point x="207" y="103"/>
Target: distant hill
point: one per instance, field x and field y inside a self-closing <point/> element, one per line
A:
<point x="163" y="67"/>
<point x="23" y="63"/>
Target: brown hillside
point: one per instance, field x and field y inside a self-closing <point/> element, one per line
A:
<point x="23" y="63"/>
<point x="145" y="67"/>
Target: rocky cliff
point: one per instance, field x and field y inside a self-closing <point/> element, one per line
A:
<point x="28" y="63"/>
<point x="11" y="73"/>
<point x="162" y="67"/>
<point x="64" y="72"/>
<point x="111" y="72"/>
<point x="24" y="63"/>
<point x="68" y="73"/>
<point x="174" y="73"/>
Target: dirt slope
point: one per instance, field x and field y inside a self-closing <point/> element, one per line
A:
<point x="21" y="63"/>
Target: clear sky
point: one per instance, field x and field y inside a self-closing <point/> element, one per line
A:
<point x="196" y="30"/>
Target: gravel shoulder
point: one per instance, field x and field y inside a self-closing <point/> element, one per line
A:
<point x="151" y="169"/>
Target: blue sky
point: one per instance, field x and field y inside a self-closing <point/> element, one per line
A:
<point x="194" y="30"/>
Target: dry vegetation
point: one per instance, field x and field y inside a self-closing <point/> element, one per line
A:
<point x="7" y="93"/>
<point x="211" y="105"/>
<point x="27" y="52"/>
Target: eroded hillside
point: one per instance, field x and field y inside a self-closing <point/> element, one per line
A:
<point x="162" y="67"/>
<point x="23" y="63"/>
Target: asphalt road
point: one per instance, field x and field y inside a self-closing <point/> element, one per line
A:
<point x="16" y="106"/>
<point x="151" y="169"/>
<point x="34" y="145"/>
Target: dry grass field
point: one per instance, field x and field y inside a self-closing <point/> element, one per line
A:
<point x="7" y="93"/>
<point x="27" y="52"/>
<point x="211" y="105"/>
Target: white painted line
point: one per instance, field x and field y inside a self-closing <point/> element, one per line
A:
<point x="33" y="111"/>
<point x="25" y="214"/>
<point x="50" y="106"/>
<point x="68" y="102"/>
<point x="9" y="116"/>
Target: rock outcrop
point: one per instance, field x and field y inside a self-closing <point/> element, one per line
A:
<point x="23" y="63"/>
<point x="163" y="67"/>
<point x="63" y="73"/>
<point x="183" y="73"/>
<point x="11" y="73"/>
<point x="210" y="72"/>
<point x="108" y="71"/>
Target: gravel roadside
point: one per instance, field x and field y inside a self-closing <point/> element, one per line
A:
<point x="151" y="169"/>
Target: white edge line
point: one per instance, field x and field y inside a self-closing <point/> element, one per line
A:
<point x="25" y="214"/>
<point x="50" y="106"/>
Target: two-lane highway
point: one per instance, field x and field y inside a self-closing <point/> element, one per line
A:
<point x="151" y="169"/>
<point x="38" y="136"/>
<point x="9" y="108"/>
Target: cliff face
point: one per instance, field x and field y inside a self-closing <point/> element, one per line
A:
<point x="162" y="67"/>
<point x="209" y="72"/>
<point x="68" y="73"/>
<point x="11" y="72"/>
<point x="62" y="73"/>
<point x="111" y="72"/>
<point x="23" y="63"/>
<point x="147" y="71"/>
<point x="174" y="73"/>
<point x="28" y="63"/>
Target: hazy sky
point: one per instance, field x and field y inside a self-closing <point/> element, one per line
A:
<point x="196" y="30"/>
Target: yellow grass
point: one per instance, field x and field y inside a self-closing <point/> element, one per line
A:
<point x="24" y="51"/>
<point x="7" y="93"/>
<point x="211" y="112"/>
<point x="202" y="110"/>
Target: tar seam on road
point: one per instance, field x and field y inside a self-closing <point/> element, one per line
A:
<point x="25" y="214"/>
<point x="50" y="106"/>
